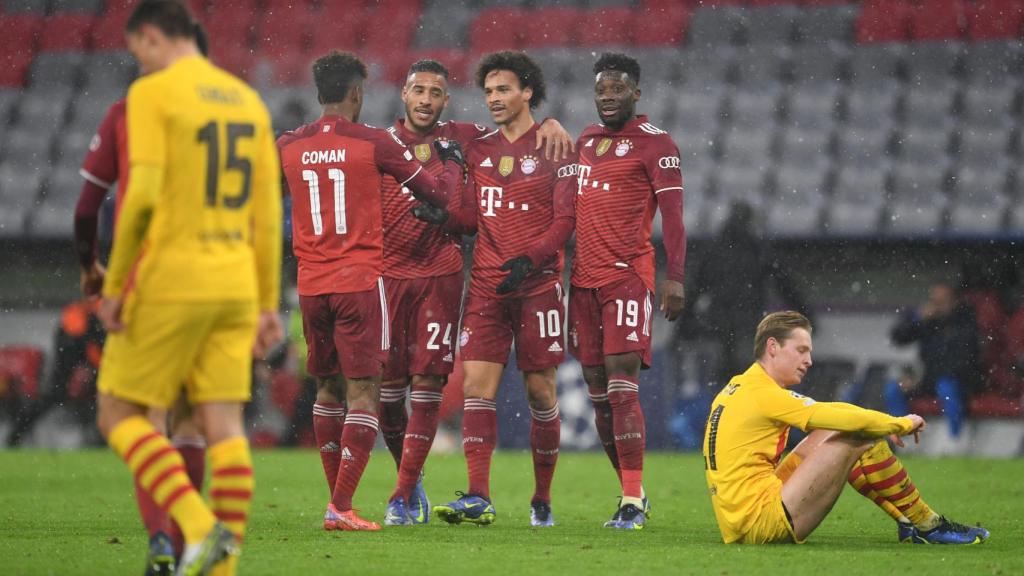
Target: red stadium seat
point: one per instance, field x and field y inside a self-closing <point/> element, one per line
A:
<point x="456" y="60"/>
<point x="926" y="406"/>
<point x="13" y="68"/>
<point x="108" y="34"/>
<point x="884" y="21"/>
<point x="608" y="27"/>
<point x="938" y="20"/>
<point x="18" y="35"/>
<point x="662" y="26"/>
<point x="389" y="33"/>
<point x="497" y="29"/>
<point x="994" y="405"/>
<point x="239" y="60"/>
<point x="66" y="32"/>
<point x="345" y="32"/>
<point x="553" y="27"/>
<point x="285" y="35"/>
<point x="994" y="19"/>
<point x="824" y="2"/>
<point x="20" y="368"/>
<point x="231" y="22"/>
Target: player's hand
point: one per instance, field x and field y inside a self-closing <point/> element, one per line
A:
<point x="672" y="299"/>
<point x="519" y="268"/>
<point x="91" y="281"/>
<point x="556" y="141"/>
<point x="919" y="426"/>
<point x="430" y="214"/>
<point x="268" y="333"/>
<point x="450" y="151"/>
<point x="109" y="313"/>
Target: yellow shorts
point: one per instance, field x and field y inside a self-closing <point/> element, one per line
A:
<point x="771" y="525"/>
<point x="205" y="347"/>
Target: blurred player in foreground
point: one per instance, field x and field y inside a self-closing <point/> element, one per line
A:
<point x="521" y="207"/>
<point x="334" y="169"/>
<point x="106" y="164"/>
<point x="758" y="499"/>
<point x="198" y="239"/>
<point x="628" y="169"/>
<point x="423" y="283"/>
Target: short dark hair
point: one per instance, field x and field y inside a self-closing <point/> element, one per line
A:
<point x="618" y="62"/>
<point x="780" y="326"/>
<point x="335" y="73"/>
<point x="172" y="17"/>
<point x="427" y="65"/>
<point x="202" y="40"/>
<point x="518" y="63"/>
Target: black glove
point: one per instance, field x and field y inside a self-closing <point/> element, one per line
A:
<point x="519" y="268"/>
<point x="430" y="214"/>
<point x="450" y="151"/>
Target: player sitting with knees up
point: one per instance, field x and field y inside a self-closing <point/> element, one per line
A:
<point x="761" y="498"/>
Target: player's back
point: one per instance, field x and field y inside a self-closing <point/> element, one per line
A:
<point x="334" y="173"/>
<point x="620" y="174"/>
<point x="212" y="135"/>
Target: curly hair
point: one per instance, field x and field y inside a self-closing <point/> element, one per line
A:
<point x="618" y="62"/>
<point x="518" y="63"/>
<point x="335" y="73"/>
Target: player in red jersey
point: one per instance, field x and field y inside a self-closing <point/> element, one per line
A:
<point x="628" y="168"/>
<point x="105" y="164"/>
<point x="334" y="169"/>
<point x="423" y="285"/>
<point x="521" y="209"/>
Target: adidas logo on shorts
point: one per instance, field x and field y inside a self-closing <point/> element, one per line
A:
<point x="555" y="347"/>
<point x="632" y="337"/>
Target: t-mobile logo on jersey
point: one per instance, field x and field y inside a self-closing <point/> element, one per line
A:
<point x="586" y="183"/>
<point x="490" y="198"/>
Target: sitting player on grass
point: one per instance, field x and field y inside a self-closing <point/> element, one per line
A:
<point x="761" y="498"/>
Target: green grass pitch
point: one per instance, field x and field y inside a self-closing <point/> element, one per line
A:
<point x="73" y="513"/>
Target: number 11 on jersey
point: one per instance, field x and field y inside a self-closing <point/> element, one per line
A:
<point x="313" y="180"/>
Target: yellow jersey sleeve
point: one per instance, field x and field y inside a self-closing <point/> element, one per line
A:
<point x="781" y="405"/>
<point x="267" y="218"/>
<point x="849" y="418"/>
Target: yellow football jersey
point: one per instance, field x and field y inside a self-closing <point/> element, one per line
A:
<point x="746" y="434"/>
<point x="215" y="214"/>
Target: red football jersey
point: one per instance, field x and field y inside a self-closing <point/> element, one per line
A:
<point x="515" y="190"/>
<point x="413" y="248"/>
<point x="107" y="159"/>
<point x="620" y="175"/>
<point x="334" y="169"/>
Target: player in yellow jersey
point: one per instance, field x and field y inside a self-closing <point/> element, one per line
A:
<point x="198" y="240"/>
<point x="758" y="499"/>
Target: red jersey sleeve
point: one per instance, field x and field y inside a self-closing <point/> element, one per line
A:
<point x="100" y="165"/>
<point x="466" y="132"/>
<point x="563" y="220"/>
<point x="662" y="163"/>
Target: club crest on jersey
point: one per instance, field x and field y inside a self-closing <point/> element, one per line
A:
<point x="528" y="164"/>
<point x="422" y="152"/>
<point x="603" y="146"/>
<point x="623" y="147"/>
<point x="505" y="165"/>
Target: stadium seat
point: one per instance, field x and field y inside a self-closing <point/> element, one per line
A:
<point x="663" y="26"/>
<point x="22" y="365"/>
<point x="938" y="20"/>
<point x="761" y="67"/>
<point x="19" y="183"/>
<point x="8" y="100"/>
<point x="27" y="146"/>
<point x="460" y="71"/>
<point x="392" y="34"/>
<point x="285" y="34"/>
<point x="658" y="64"/>
<point x="466" y="104"/>
<point x="738" y="184"/>
<point x="870" y="108"/>
<point x="883" y="21"/>
<point x="993" y="63"/>
<point x="918" y="201"/>
<point x="863" y="148"/>
<point x="36" y="7"/>
<point x="231" y="24"/>
<point x="43" y="109"/>
<point x="55" y="69"/>
<point x="382" y="107"/>
<point x="717" y="25"/>
<point x="88" y="6"/>
<point x="72" y="146"/>
<point x="577" y="109"/>
<point x="812" y="108"/>
<point x="994" y="19"/>
<point x="87" y="111"/>
<point x="577" y="67"/>
<point x="856" y="206"/>
<point x="875" y="65"/>
<point x="705" y="67"/>
<point x="983" y="148"/>
<point x="754" y="110"/>
<point x="610" y="26"/>
<point x="444" y="26"/>
<point x="696" y="189"/>
<point x="819" y="25"/>
<point x="772" y="25"/>
<point x="552" y="27"/>
<point x="742" y="149"/>
<point x="497" y="29"/>
<point x="107" y="70"/>
<point x="19" y="33"/>
<point x="979" y="202"/>
<point x="930" y="64"/>
<point x="816" y="64"/>
<point x="108" y="33"/>
<point x="14" y="70"/>
<point x="924" y="147"/>
<point x="800" y="148"/>
<point x="66" y="31"/>
<point x="931" y="107"/>
<point x="12" y="218"/>
<point x="795" y="207"/>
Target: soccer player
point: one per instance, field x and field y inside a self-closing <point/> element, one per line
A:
<point x="521" y="208"/>
<point x="104" y="164"/>
<point x="759" y="500"/>
<point x="628" y="168"/>
<point x="423" y="284"/>
<point x="198" y="238"/>
<point x="334" y="169"/>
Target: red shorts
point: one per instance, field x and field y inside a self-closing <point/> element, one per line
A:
<point x="424" y="318"/>
<point x="489" y="326"/>
<point x="613" y="319"/>
<point x="346" y="333"/>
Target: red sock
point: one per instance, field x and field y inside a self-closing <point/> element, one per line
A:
<point x="479" y="436"/>
<point x="193" y="452"/>
<point x="153" y="518"/>
<point x="328" y="422"/>
<point x="356" y="444"/>
<point x="393" y="419"/>
<point x="604" y="422"/>
<point x="545" y="436"/>
<point x="628" y="424"/>
<point x="419" y="436"/>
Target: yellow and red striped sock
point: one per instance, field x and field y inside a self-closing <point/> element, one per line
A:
<point x="231" y="483"/>
<point x="161" y="472"/>
<point x="884" y="480"/>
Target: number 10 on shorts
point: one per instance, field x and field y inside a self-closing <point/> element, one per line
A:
<point x="550" y="323"/>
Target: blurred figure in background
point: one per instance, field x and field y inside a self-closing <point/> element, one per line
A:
<point x="946" y="332"/>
